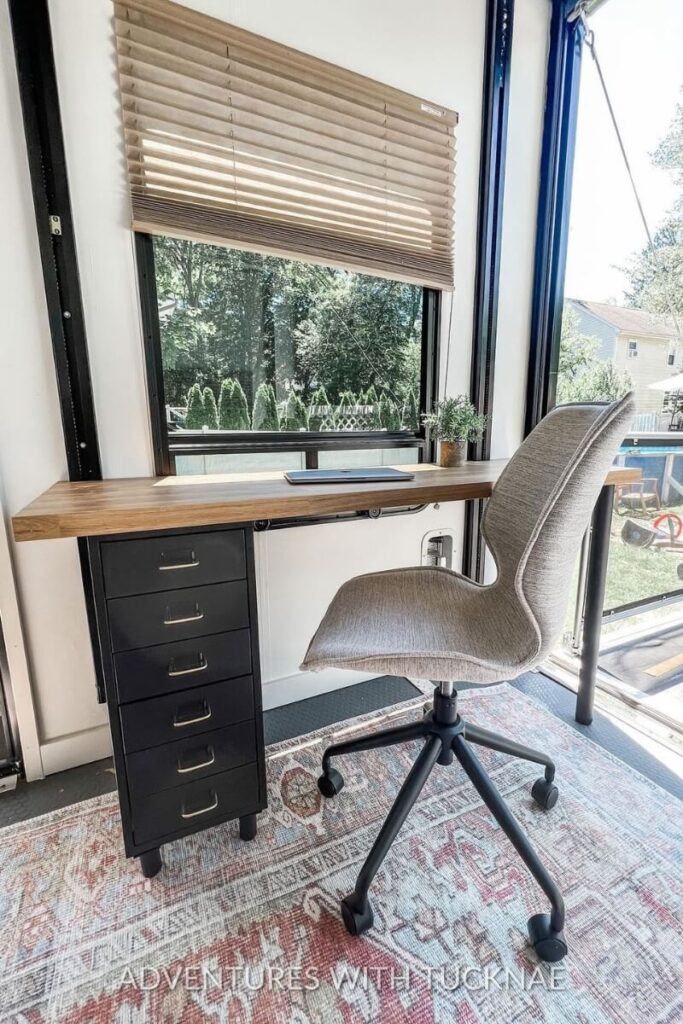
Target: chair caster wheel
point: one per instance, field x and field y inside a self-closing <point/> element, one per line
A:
<point x="545" y="794"/>
<point x="331" y="783"/>
<point x="427" y="709"/>
<point x="550" y="945"/>
<point x="357" y="916"/>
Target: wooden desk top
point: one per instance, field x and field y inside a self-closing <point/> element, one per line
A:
<point x="101" y="507"/>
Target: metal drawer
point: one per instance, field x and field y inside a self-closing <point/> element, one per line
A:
<point x="147" y="723"/>
<point x="190" y="759"/>
<point x="177" y="614"/>
<point x="172" y="561"/>
<point x="196" y="804"/>
<point x="186" y="663"/>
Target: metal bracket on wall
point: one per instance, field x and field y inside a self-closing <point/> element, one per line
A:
<point x="49" y="182"/>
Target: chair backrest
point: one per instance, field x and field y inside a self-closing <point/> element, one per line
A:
<point x="542" y="503"/>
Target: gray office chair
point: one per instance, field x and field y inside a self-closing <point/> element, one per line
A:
<point x="431" y="623"/>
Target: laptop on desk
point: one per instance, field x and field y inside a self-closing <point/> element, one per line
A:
<point x="381" y="474"/>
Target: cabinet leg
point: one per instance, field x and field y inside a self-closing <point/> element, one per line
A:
<point x="248" y="826"/>
<point x="151" y="863"/>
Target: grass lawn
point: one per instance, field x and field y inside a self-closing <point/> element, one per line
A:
<point x="635" y="573"/>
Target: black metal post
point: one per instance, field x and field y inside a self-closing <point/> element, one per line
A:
<point x="496" y="95"/>
<point x="598" y="555"/>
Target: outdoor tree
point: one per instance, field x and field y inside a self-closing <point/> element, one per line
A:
<point x="582" y="375"/>
<point x="410" y="412"/>
<point x="388" y="414"/>
<point x="210" y="410"/>
<point x="194" y="420"/>
<point x="319" y="401"/>
<point x="240" y="407"/>
<point x="296" y="417"/>
<point x="233" y="410"/>
<point x="226" y="314"/>
<point x="225" y="408"/>
<point x="265" y="409"/>
<point x="656" y="279"/>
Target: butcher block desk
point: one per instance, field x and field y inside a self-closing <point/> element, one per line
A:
<point x="170" y="589"/>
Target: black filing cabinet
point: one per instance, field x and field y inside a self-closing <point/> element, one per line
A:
<point x="174" y="626"/>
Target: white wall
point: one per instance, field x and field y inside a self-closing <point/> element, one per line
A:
<point x="32" y="453"/>
<point x="525" y="129"/>
<point x="436" y="51"/>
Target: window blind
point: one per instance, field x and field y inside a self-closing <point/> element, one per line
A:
<point x="233" y="138"/>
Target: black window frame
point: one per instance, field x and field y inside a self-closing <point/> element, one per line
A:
<point x="167" y="448"/>
<point x="565" y="57"/>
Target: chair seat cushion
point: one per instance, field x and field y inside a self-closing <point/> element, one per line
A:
<point x="428" y="623"/>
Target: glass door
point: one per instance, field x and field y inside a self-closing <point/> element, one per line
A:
<point x="621" y="331"/>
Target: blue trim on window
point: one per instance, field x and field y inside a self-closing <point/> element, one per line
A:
<point x="496" y="97"/>
<point x="552" y="226"/>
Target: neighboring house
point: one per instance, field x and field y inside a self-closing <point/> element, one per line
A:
<point x="646" y="345"/>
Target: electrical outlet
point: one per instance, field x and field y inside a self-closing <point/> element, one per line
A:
<point x="437" y="548"/>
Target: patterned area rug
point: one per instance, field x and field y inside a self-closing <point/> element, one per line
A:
<point x="251" y="933"/>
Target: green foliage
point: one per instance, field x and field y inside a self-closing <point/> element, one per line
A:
<point x="347" y="400"/>
<point x="194" y="419"/>
<point x="241" y="407"/>
<point x="389" y="417"/>
<point x="455" y="419"/>
<point x="317" y="419"/>
<point x="656" y="278"/>
<point x="372" y="419"/>
<point x="233" y="411"/>
<point x="210" y="410"/>
<point x="582" y="376"/>
<point x="265" y="409"/>
<point x="296" y="417"/>
<point x="231" y="315"/>
<point x="411" y="418"/>
<point x="225" y="418"/>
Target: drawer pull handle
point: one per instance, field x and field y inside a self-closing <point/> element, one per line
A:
<point x="196" y="767"/>
<point x="203" y="810"/>
<point x="201" y="665"/>
<point x="170" y="621"/>
<point x="189" y="561"/>
<point x="178" y="724"/>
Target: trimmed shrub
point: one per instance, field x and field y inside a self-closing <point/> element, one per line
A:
<point x="372" y="420"/>
<point x="347" y="400"/>
<point x="316" y="420"/>
<point x="265" y="409"/>
<point x="233" y="410"/>
<point x="241" y="407"/>
<point x="388" y="414"/>
<point x="194" y="418"/>
<point x="411" y="420"/>
<point x="210" y="410"/>
<point x="296" y="417"/>
<point x="225" y="407"/>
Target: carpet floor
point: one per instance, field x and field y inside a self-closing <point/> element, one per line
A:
<point x="251" y="934"/>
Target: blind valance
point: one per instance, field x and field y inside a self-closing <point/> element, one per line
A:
<point x="236" y="139"/>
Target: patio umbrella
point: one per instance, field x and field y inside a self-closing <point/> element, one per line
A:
<point x="674" y="383"/>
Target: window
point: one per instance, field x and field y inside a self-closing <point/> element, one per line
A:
<point x="303" y="217"/>
<point x="632" y="349"/>
<point x="259" y="362"/>
<point x="671" y="357"/>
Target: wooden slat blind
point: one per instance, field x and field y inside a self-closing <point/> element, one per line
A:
<point x="233" y="138"/>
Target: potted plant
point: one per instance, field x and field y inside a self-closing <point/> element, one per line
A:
<point x="454" y="422"/>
